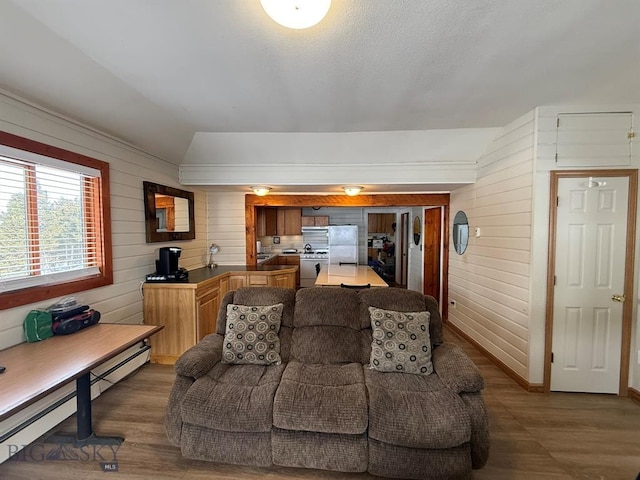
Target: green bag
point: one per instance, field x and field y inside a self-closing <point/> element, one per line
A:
<point x="38" y="325"/>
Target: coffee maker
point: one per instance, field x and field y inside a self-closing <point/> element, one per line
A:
<point x="167" y="269"/>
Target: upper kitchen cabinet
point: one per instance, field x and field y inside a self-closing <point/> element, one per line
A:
<point x="381" y="222"/>
<point x="266" y="221"/>
<point x="289" y="221"/>
<point x="315" y="221"/>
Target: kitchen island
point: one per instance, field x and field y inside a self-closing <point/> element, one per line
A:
<point x="188" y="310"/>
<point x="349" y="275"/>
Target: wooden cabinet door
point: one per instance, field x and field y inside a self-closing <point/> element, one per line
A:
<point x="388" y="219"/>
<point x="237" y="281"/>
<point x="289" y="221"/>
<point x="286" y="280"/>
<point x="224" y="287"/>
<point x="282" y="280"/>
<point x="292" y="260"/>
<point x="258" y="280"/>
<point x="266" y="222"/>
<point x="175" y="309"/>
<point x="207" y="308"/>
<point x="317" y="221"/>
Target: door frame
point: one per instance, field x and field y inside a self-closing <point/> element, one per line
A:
<point x="629" y="271"/>
<point x="403" y="247"/>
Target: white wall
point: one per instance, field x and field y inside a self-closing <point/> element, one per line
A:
<point x="132" y="256"/>
<point x="499" y="284"/>
<point x="226" y="226"/>
<point x="545" y="145"/>
<point x="398" y="157"/>
<point x="490" y="282"/>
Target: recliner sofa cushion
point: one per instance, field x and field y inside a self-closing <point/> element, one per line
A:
<point x="321" y="398"/>
<point x="327" y="327"/>
<point x="233" y="398"/>
<point x="326" y="451"/>
<point x="415" y="411"/>
<point x="402" y="300"/>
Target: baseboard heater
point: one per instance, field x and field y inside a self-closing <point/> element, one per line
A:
<point x="17" y="429"/>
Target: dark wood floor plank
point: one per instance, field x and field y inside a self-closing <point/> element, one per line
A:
<point x="534" y="436"/>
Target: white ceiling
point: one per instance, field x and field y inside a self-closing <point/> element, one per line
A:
<point x="154" y="72"/>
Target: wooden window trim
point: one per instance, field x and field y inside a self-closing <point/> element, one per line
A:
<point x="101" y="208"/>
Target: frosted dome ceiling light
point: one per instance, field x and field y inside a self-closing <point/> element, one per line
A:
<point x="352" y="190"/>
<point x="296" y="14"/>
<point x="261" y="190"/>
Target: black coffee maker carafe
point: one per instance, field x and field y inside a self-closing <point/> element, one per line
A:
<point x="167" y="264"/>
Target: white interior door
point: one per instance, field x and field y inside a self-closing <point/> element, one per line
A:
<point x="590" y="266"/>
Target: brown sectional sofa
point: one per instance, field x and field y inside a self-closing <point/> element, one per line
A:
<point x="323" y="407"/>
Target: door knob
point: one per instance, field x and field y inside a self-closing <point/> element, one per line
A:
<point x="617" y="298"/>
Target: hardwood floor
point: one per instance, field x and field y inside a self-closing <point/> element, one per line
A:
<point x="533" y="436"/>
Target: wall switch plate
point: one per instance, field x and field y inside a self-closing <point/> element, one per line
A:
<point x="638" y="357"/>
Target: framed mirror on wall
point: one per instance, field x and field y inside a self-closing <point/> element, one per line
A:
<point x="169" y="213"/>
<point x="460" y="232"/>
<point x="417" y="224"/>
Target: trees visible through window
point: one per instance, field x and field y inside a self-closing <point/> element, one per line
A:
<point x="54" y="222"/>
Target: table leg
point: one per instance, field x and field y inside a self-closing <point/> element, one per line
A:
<point x="85" y="434"/>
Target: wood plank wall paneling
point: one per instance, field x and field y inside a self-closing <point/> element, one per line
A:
<point x="132" y="256"/>
<point x="490" y="282"/>
<point x="226" y="226"/>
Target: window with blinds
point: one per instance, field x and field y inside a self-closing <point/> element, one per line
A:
<point x="52" y="222"/>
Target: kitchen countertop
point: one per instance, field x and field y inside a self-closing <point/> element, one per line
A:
<point x="202" y="274"/>
<point x="349" y="275"/>
<point x="276" y="254"/>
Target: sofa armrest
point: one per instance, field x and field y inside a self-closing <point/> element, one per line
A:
<point x="455" y="369"/>
<point x="200" y="358"/>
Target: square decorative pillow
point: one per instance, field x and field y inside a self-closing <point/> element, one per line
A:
<point x="401" y="341"/>
<point x="251" y="336"/>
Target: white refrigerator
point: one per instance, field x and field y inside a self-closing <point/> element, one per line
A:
<point x="343" y="244"/>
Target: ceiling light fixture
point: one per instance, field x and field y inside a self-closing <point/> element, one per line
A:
<point x="352" y="190"/>
<point x="261" y="190"/>
<point x="297" y="14"/>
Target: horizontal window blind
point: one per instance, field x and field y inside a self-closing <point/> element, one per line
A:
<point x="49" y="222"/>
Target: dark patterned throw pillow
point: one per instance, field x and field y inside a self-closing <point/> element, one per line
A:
<point x="401" y="342"/>
<point x="251" y="335"/>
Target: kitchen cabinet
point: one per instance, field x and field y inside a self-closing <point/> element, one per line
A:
<point x="272" y="221"/>
<point x="381" y="222"/>
<point x="266" y="221"/>
<point x="207" y="304"/>
<point x="189" y="311"/>
<point x="315" y="221"/>
<point x="289" y="221"/>
<point x="293" y="260"/>
<point x="238" y="280"/>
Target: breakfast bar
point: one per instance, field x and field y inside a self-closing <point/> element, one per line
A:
<point x="349" y="276"/>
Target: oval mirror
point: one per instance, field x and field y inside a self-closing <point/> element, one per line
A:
<point x="460" y="232"/>
<point x="416" y="230"/>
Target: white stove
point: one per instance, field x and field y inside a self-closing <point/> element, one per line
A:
<point x="310" y="261"/>
<point x="314" y="254"/>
